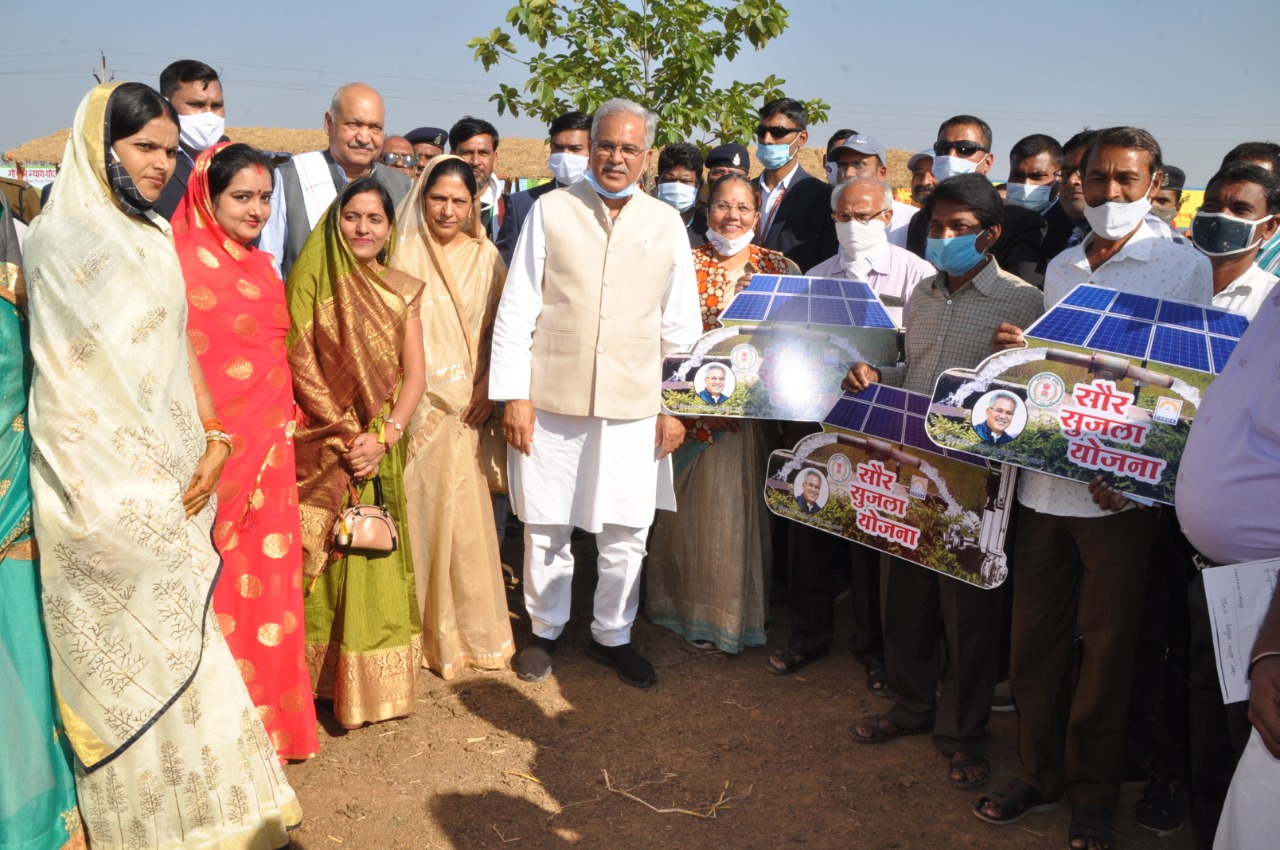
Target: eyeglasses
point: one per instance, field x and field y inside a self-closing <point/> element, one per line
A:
<point x="862" y="218"/>
<point x="399" y="160"/>
<point x="724" y="208"/>
<point x="961" y="148"/>
<point x="608" y="149"/>
<point x="775" y="132"/>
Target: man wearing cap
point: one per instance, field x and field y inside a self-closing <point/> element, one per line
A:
<point x="428" y="142"/>
<point x="399" y="154"/>
<point x="570" y="136"/>
<point x="964" y="146"/>
<point x="196" y="94"/>
<point x="836" y="140"/>
<point x="863" y="156"/>
<point x="725" y="158"/>
<point x="476" y="141"/>
<point x="1167" y="203"/>
<point x="308" y="183"/>
<point x="795" y="207"/>
<point x="922" y="180"/>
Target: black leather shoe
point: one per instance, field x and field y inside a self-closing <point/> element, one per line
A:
<point x="630" y="665"/>
<point x="533" y="663"/>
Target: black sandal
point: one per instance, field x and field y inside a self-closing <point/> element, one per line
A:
<point x="793" y="658"/>
<point x="877" y="678"/>
<point x="984" y="775"/>
<point x="879" y="734"/>
<point x="1015" y="801"/>
<point x="1091" y="823"/>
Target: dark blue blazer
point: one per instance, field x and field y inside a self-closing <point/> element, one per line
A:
<point x="806" y="509"/>
<point x="987" y="437"/>
<point x="706" y="396"/>
<point x="518" y="206"/>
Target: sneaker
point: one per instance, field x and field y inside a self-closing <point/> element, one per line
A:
<point x="1002" y="698"/>
<point x="533" y="663"/>
<point x="1163" y="806"/>
<point x="629" y="664"/>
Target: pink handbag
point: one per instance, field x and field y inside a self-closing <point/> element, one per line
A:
<point x="368" y="528"/>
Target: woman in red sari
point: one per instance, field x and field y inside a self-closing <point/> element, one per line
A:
<point x="237" y="321"/>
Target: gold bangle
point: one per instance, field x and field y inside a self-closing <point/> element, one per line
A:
<point x="218" y="437"/>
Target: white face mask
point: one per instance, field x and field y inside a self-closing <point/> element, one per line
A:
<point x="950" y="166"/>
<point x="860" y="239"/>
<point x="727" y="247"/>
<point x="833" y="173"/>
<point x="200" y="131"/>
<point x="682" y="196"/>
<point x="1029" y="195"/>
<point x="568" y="168"/>
<point x="1116" y="219"/>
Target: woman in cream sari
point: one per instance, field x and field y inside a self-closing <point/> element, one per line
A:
<point x="170" y="751"/>
<point x="455" y="546"/>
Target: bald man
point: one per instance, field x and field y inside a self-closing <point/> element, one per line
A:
<point x="308" y="183"/>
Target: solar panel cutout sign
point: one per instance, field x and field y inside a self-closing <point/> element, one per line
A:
<point x="873" y="476"/>
<point x="1109" y="383"/>
<point x="783" y="346"/>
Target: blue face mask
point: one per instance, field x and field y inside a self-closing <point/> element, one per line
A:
<point x="956" y="255"/>
<point x="773" y="157"/>
<point x="1028" y="196"/>
<point x="682" y="196"/>
<point x="590" y="177"/>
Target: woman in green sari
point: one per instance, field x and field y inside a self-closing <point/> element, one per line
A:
<point x="355" y="348"/>
<point x="37" y="787"/>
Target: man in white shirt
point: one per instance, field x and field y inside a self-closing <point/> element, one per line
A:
<point x="864" y="156"/>
<point x="1240" y="213"/>
<point x="601" y="288"/>
<point x="1077" y="568"/>
<point x="863" y="211"/>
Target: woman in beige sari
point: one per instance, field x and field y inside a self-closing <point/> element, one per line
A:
<point x="455" y="546"/>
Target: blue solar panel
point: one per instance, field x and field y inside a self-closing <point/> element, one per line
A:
<point x="869" y="314"/>
<point x="1227" y="324"/>
<point x="849" y="413"/>
<point x="918" y="404"/>
<point x="789" y="308"/>
<point x="763" y="283"/>
<point x="1065" y="325"/>
<point x="1122" y="336"/>
<point x="1093" y="297"/>
<point x="747" y="307"/>
<point x="794" y="285"/>
<point x="858" y="289"/>
<point x="884" y="423"/>
<point x="1182" y="315"/>
<point x="892" y="396"/>
<point x="826" y="287"/>
<point x="828" y="311"/>
<point x="916" y="436"/>
<point x="1221" y="347"/>
<point x="1136" y="306"/>
<point x="1185" y="348"/>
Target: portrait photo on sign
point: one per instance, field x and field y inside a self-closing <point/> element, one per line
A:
<point x="811" y="490"/>
<point x="714" y="383"/>
<point x="999" y="416"/>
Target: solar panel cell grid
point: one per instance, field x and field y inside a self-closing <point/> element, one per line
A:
<point x="1136" y="306"/>
<point x="848" y="414"/>
<point x="1221" y="347"/>
<point x="1185" y="348"/>
<point x="885" y="423"/>
<point x="789" y="308"/>
<point x="1122" y="336"/>
<point x="827" y="288"/>
<point x="1065" y="325"/>
<point x="763" y="283"/>
<point x="794" y="285"/>
<point x="748" y="307"/>
<point x="1093" y="297"/>
<point x="1227" y="324"/>
<point x="1183" y="315"/>
<point x="828" y="311"/>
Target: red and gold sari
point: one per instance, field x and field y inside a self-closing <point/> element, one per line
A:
<point x="237" y="320"/>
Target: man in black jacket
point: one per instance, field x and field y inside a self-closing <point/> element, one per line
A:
<point x="795" y="208"/>
<point x="196" y="94"/>
<point x="570" y="136"/>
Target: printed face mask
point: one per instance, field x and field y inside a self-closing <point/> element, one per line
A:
<point x="1219" y="234"/>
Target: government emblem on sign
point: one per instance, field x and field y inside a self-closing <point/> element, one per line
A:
<point x="839" y="468"/>
<point x="745" y="357"/>
<point x="1045" y="389"/>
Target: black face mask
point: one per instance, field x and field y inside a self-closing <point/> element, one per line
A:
<point x="125" y="190"/>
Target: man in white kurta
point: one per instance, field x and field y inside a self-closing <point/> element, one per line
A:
<point x="601" y="288"/>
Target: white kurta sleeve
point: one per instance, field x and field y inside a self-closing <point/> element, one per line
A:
<point x="511" y="361"/>
<point x="681" y="315"/>
<point x="274" y="232"/>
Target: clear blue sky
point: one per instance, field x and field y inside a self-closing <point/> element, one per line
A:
<point x="1201" y="76"/>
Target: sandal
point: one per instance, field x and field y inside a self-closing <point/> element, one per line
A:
<point x="783" y="662"/>
<point x="1015" y="801"/>
<point x="877" y="678"/>
<point x="1091" y="827"/>
<point x="984" y="772"/>
<point x="879" y="734"/>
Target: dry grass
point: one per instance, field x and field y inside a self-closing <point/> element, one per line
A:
<point x="518" y="158"/>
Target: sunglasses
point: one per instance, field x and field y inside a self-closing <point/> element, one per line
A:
<point x="962" y="148"/>
<point x="775" y="132"/>
<point x="399" y="160"/>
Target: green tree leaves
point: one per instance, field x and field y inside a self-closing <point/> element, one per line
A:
<point x="662" y="54"/>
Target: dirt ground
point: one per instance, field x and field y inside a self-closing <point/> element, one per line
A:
<point x="719" y="754"/>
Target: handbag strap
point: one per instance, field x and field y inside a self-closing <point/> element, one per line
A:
<point x="379" y="500"/>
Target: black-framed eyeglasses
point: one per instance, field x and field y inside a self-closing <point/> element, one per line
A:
<point x="776" y="131"/>
<point x="960" y="148"/>
<point x="399" y="160"/>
